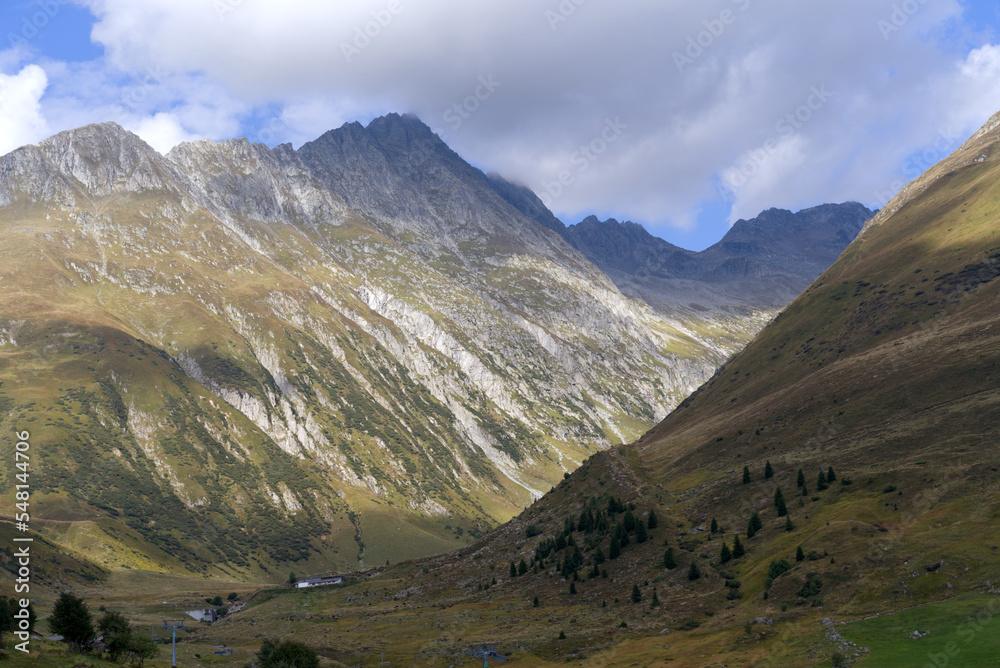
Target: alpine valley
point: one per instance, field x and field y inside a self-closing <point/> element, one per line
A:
<point x="233" y="359"/>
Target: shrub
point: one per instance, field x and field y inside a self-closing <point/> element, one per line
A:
<point x="531" y="531"/>
<point x="286" y="654"/>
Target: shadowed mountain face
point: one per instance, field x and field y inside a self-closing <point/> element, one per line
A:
<point x="849" y="450"/>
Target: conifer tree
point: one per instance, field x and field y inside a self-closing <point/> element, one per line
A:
<point x="805" y="490"/>
<point x="522" y="567"/>
<point x="801" y="480"/>
<point x="656" y="600"/>
<point x="779" y="502"/>
<point x="534" y="603"/>
<point x="614" y="549"/>
<point x="746" y="475"/>
<point x="572" y="587"/>
<point x="715" y="527"/>
<point x="799" y="554"/>
<point x="652" y="522"/>
<point x="640" y="532"/>
<point x="636" y="594"/>
<point x="693" y="572"/>
<point x="668" y="558"/>
<point x="751" y="529"/>
<point x="768" y="471"/>
<point x="724" y="554"/>
<point x="738" y="550"/>
<point x="513" y="570"/>
<point x="830" y="475"/>
<point x="788" y="524"/>
<point x="821" y="481"/>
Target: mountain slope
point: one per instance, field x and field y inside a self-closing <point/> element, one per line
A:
<point x="885" y="371"/>
<point x="225" y="366"/>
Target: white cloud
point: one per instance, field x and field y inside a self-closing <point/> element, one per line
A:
<point x="289" y="71"/>
<point x="162" y="131"/>
<point x="20" y="109"/>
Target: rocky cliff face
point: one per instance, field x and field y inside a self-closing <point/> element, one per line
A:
<point x="241" y="356"/>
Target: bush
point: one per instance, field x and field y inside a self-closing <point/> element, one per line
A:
<point x="232" y="597"/>
<point x="286" y="654"/>
<point x="531" y="531"/>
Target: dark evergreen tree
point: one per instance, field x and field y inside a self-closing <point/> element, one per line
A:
<point x="799" y="554"/>
<point x="751" y="529"/>
<point x="636" y="594"/>
<point x="534" y="603"/>
<point x="562" y="635"/>
<point x="598" y="556"/>
<point x="768" y="471"/>
<point x="71" y="619"/>
<point x="640" y="532"/>
<point x="801" y="480"/>
<point x="724" y="554"/>
<point x="788" y="524"/>
<point x="821" y="481"/>
<point x="513" y="570"/>
<point x="746" y="475"/>
<point x="779" y="502"/>
<point x="693" y="572"/>
<point x="522" y="568"/>
<point x="652" y="522"/>
<point x="830" y="475"/>
<point x="714" y="528"/>
<point x="668" y="558"/>
<point x="614" y="549"/>
<point x="738" y="550"/>
<point x="572" y="587"/>
<point x="629" y="521"/>
<point x="656" y="600"/>
<point x="805" y="490"/>
<point x="755" y="522"/>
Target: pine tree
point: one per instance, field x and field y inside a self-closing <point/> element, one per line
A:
<point x="805" y="490"/>
<point x="598" y="557"/>
<point x="799" y="554"/>
<point x="522" y="568"/>
<point x="788" y="524"/>
<point x="830" y="475"/>
<point x="715" y="526"/>
<point x="821" y="481"/>
<point x="562" y="635"/>
<point x="640" y="532"/>
<point x="652" y="522"/>
<point x="656" y="600"/>
<point x="779" y="502"/>
<point x="768" y="470"/>
<point x="724" y="554"/>
<point x="614" y="549"/>
<point x="534" y="603"/>
<point x="693" y="572"/>
<point x="636" y="594"/>
<point x="751" y="529"/>
<point x="572" y="587"/>
<point x="754" y="525"/>
<point x="513" y="570"/>
<point x="668" y="558"/>
<point x="746" y="475"/>
<point x="738" y="550"/>
<point x="801" y="480"/>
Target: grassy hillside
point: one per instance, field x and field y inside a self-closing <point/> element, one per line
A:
<point x="884" y="372"/>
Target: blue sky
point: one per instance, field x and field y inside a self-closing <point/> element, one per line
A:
<point x="682" y="115"/>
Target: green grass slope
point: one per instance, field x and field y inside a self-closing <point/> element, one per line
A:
<point x="885" y="371"/>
